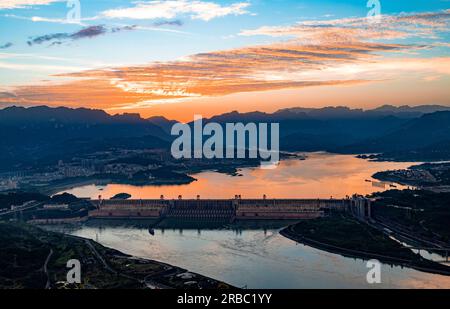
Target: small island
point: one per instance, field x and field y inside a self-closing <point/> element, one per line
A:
<point x="121" y="196"/>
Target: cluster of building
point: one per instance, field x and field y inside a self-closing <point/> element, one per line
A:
<point x="8" y="184"/>
<point x="413" y="176"/>
<point x="89" y="166"/>
<point x="43" y="177"/>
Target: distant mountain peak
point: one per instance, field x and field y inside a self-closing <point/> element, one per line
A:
<point x="424" y="109"/>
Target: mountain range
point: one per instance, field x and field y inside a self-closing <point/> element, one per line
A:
<point x="43" y="134"/>
<point x="387" y="129"/>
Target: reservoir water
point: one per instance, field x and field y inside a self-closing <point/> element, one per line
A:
<point x="252" y="258"/>
<point x="256" y="256"/>
<point x="321" y="175"/>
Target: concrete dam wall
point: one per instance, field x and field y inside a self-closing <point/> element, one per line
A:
<point x="242" y="209"/>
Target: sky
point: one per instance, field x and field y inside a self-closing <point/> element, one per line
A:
<point x="178" y="58"/>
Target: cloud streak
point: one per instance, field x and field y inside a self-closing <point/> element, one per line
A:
<point x="338" y="52"/>
<point x="202" y="10"/>
<point x="19" y="4"/>
<point x="161" y="23"/>
<point x="219" y="73"/>
<point x="423" y="25"/>
<point x="6" y="45"/>
<point x="87" y="32"/>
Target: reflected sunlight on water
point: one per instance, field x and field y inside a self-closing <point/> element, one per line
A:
<point x="321" y="175"/>
<point x="254" y="258"/>
<point x="259" y="258"/>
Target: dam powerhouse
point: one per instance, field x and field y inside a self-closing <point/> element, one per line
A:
<point x="227" y="209"/>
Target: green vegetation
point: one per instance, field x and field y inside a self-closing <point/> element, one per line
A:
<point x="64" y="198"/>
<point x="67" y="206"/>
<point x="18" y="198"/>
<point x="22" y="255"/>
<point x="424" y="212"/>
<point x="137" y="160"/>
<point x="440" y="171"/>
<point x="348" y="233"/>
<point x="162" y="175"/>
<point x="33" y="258"/>
<point x="121" y="196"/>
<point x="344" y="235"/>
<point x="425" y="175"/>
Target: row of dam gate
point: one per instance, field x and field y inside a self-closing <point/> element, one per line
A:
<point x="217" y="209"/>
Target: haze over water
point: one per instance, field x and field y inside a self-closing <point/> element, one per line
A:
<point x="321" y="175"/>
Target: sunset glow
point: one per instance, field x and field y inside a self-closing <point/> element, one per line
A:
<point x="329" y="59"/>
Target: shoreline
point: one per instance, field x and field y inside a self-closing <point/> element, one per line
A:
<point x="232" y="171"/>
<point x="152" y="284"/>
<point x="431" y="181"/>
<point x="54" y="189"/>
<point x="350" y="253"/>
<point x="103" y="267"/>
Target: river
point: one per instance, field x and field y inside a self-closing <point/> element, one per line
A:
<point x="255" y="256"/>
<point x="252" y="258"/>
<point x="321" y="175"/>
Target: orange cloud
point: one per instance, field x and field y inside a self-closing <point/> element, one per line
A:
<point x="387" y="27"/>
<point x="209" y="74"/>
<point x="342" y="55"/>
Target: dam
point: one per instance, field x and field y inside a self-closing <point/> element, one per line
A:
<point x="217" y="209"/>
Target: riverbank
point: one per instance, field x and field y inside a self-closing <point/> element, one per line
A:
<point x="170" y="173"/>
<point x="422" y="213"/>
<point x="33" y="258"/>
<point x="427" y="175"/>
<point x="70" y="183"/>
<point x="345" y="236"/>
<point x="315" y="177"/>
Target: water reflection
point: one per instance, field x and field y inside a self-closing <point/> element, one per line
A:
<point x="321" y="175"/>
<point x="251" y="254"/>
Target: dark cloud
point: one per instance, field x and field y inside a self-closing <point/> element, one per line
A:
<point x="56" y="43"/>
<point x="47" y="38"/>
<point x="6" y="45"/>
<point x="124" y="28"/>
<point x="168" y="23"/>
<point x="7" y="95"/>
<point x="85" y="33"/>
<point x="89" y="32"/>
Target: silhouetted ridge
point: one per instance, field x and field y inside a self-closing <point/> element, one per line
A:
<point x="422" y="132"/>
<point x="44" y="134"/>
